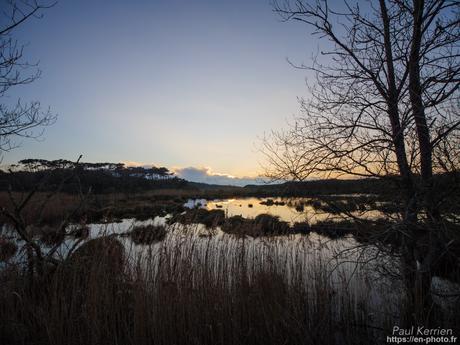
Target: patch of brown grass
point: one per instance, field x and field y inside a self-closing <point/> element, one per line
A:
<point x="186" y="292"/>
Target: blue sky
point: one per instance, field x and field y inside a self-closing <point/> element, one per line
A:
<point x="172" y="83"/>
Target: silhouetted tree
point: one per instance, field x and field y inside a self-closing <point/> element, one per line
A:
<point x="18" y="119"/>
<point x="385" y="103"/>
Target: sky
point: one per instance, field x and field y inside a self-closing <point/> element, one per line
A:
<point x="190" y="85"/>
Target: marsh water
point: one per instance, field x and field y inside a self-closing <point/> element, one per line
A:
<point x="344" y="259"/>
<point x="290" y="210"/>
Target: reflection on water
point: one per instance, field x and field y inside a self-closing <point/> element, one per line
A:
<point x="290" y="210"/>
<point x="345" y="263"/>
<point x="294" y="254"/>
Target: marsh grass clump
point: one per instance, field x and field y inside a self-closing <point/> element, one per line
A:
<point x="334" y="229"/>
<point x="262" y="225"/>
<point x="235" y="221"/>
<point x="102" y="257"/>
<point x="268" y="202"/>
<point x="271" y="225"/>
<point x="237" y="225"/>
<point x="271" y="202"/>
<point x="210" y="218"/>
<point x="300" y="228"/>
<point x="148" y="234"/>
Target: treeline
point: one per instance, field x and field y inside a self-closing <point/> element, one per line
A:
<point x="322" y="187"/>
<point x="390" y="186"/>
<point x="119" y="169"/>
<point x="75" y="177"/>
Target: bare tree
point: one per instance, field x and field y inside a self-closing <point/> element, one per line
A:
<point x="384" y="104"/>
<point x="18" y="119"/>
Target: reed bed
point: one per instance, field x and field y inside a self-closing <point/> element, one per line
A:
<point x="195" y="289"/>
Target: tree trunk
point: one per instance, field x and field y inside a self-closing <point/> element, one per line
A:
<point x="396" y="129"/>
<point x="416" y="275"/>
<point x="418" y="109"/>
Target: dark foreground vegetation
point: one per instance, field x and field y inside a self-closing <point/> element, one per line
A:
<point x="104" y="295"/>
<point x="102" y="299"/>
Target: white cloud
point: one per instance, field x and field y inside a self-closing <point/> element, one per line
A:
<point x="203" y="175"/>
<point x="206" y="175"/>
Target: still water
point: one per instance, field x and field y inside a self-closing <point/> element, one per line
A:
<point x="290" y="210"/>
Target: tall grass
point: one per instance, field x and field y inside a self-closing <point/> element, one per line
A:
<point x="194" y="290"/>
